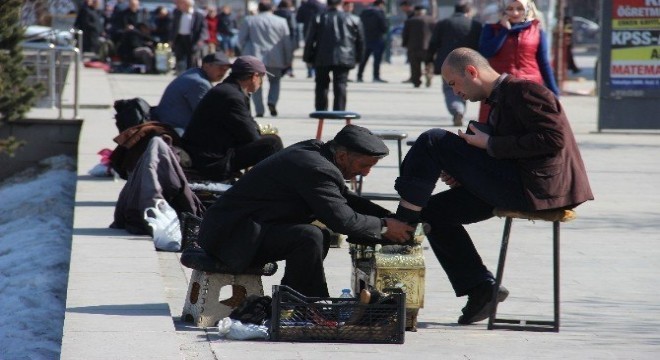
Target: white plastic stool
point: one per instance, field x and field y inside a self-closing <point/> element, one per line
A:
<point x="203" y="306"/>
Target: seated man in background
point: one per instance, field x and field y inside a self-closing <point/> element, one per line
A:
<point x="222" y="137"/>
<point x="267" y="214"/>
<point x="528" y="161"/>
<point x="182" y="95"/>
<point x="137" y="47"/>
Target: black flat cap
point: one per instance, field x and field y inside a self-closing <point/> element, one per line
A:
<point x="361" y="140"/>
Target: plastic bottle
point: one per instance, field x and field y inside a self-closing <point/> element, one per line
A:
<point x="346" y="307"/>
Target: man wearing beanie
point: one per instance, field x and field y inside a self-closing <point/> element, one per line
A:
<point x="267" y="214"/>
<point x="222" y="137"/>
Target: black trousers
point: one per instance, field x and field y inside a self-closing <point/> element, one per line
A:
<point x="416" y="58"/>
<point x="303" y="247"/>
<point x="250" y="154"/>
<point x="486" y="183"/>
<point x="339" y="83"/>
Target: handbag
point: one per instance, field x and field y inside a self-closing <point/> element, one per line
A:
<point x="165" y="226"/>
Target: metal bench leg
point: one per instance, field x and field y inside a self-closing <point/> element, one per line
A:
<point x="500" y="271"/>
<point x="526" y="325"/>
<point x="555" y="250"/>
<point x="400" y="155"/>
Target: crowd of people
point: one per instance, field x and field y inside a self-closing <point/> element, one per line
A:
<point x="524" y="158"/>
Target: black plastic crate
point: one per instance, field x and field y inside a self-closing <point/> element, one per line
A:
<point x="307" y="319"/>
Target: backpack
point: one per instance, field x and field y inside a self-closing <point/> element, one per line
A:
<point x="131" y="112"/>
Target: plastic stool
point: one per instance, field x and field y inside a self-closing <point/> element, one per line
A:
<point x="203" y="306"/>
<point x="556" y="217"/>
<point x="332" y="115"/>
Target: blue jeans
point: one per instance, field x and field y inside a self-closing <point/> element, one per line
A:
<point x="376" y="47"/>
<point x="486" y="183"/>
<point x="455" y="104"/>
<point x="273" y="91"/>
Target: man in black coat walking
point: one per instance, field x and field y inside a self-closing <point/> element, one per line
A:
<point x="267" y="215"/>
<point x="375" y="27"/>
<point x="334" y="43"/>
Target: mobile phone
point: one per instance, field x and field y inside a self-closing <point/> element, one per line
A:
<point x="485" y="128"/>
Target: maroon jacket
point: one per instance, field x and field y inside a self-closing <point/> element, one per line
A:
<point x="531" y="127"/>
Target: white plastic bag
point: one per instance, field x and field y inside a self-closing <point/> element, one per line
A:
<point x="236" y="330"/>
<point x="165" y="226"/>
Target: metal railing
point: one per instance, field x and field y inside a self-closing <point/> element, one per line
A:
<point x="51" y="63"/>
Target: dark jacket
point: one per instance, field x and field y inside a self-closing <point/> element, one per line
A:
<point x="530" y="127"/>
<point x="220" y="123"/>
<point x="417" y="32"/>
<point x="449" y="34"/>
<point x="297" y="185"/>
<point x="307" y="12"/>
<point x="374" y="23"/>
<point x="199" y="30"/>
<point x="335" y="38"/>
<point x="90" y="21"/>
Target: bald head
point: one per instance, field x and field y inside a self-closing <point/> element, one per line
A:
<point x="469" y="74"/>
<point x="460" y="58"/>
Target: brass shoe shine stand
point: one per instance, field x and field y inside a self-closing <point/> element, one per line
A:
<point x="392" y="266"/>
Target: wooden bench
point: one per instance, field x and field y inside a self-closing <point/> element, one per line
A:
<point x="203" y="306"/>
<point x="554" y="216"/>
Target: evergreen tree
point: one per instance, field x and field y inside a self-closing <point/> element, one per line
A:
<point x="16" y="95"/>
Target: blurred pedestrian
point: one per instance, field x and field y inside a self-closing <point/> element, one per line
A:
<point x="228" y="30"/>
<point x="266" y="37"/>
<point x="375" y="27"/>
<point x="517" y="45"/>
<point x="415" y="38"/>
<point x="458" y="30"/>
<point x="285" y="11"/>
<point x="212" y="26"/>
<point x="334" y="44"/>
<point x="306" y="13"/>
<point x="189" y="32"/>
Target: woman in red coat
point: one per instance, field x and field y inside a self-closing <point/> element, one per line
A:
<point x="517" y="45"/>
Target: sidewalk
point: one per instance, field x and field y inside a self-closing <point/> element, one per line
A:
<point x="124" y="298"/>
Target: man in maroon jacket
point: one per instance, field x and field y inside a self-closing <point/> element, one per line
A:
<point x="526" y="160"/>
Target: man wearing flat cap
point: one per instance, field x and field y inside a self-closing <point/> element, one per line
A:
<point x="222" y="137"/>
<point x="267" y="215"/>
<point x="182" y="95"/>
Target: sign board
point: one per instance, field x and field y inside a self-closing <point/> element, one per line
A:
<point x="629" y="85"/>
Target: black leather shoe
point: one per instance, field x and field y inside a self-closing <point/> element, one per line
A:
<point x="479" y="301"/>
<point x="272" y="109"/>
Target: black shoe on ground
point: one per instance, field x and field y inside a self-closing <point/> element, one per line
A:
<point x="259" y="115"/>
<point x="360" y="79"/>
<point x="479" y="302"/>
<point x="272" y="109"/>
<point x="379" y="80"/>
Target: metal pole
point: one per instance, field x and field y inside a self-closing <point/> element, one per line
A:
<point x="51" y="75"/>
<point x="78" y="62"/>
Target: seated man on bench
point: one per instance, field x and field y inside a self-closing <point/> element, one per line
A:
<point x="528" y="162"/>
<point x="222" y="137"/>
<point x="267" y="215"/>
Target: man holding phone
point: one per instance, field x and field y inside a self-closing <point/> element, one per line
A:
<point x="529" y="162"/>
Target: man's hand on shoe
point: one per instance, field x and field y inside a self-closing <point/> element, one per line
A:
<point x="398" y="231"/>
